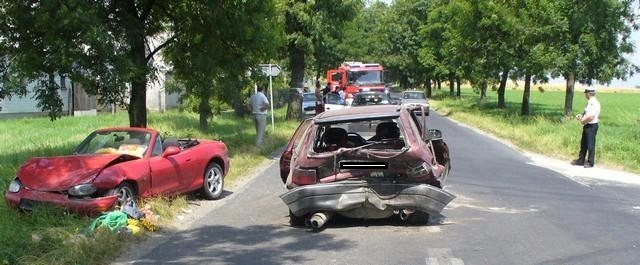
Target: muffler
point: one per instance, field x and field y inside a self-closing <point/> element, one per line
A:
<point x="318" y="219"/>
<point x="405" y="214"/>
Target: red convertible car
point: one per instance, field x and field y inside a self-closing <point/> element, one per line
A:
<point x="368" y="162"/>
<point x="114" y="165"/>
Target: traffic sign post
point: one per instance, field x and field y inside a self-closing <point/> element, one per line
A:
<point x="271" y="70"/>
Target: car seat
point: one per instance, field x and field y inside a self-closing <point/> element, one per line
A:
<point x="386" y="130"/>
<point x="335" y="138"/>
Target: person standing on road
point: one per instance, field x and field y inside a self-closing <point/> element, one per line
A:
<point x="259" y="105"/>
<point x="589" y="119"/>
<point x="319" y="98"/>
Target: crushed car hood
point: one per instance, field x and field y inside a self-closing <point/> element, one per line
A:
<point x="63" y="172"/>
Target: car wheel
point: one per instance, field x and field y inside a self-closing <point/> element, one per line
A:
<point x="125" y="192"/>
<point x="418" y="218"/>
<point x="296" y="221"/>
<point x="213" y="182"/>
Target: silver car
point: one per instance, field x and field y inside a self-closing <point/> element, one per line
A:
<point x="414" y="98"/>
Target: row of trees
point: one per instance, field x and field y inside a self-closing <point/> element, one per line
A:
<point x="110" y="46"/>
<point x="487" y="42"/>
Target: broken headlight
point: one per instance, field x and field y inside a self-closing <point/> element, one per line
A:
<point x="82" y="190"/>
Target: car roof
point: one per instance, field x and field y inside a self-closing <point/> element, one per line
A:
<point x="370" y="112"/>
<point x="413" y="91"/>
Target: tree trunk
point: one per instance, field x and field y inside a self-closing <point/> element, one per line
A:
<point x="138" y="100"/>
<point x="294" y="108"/>
<point x="451" y="85"/>
<point x="457" y="86"/>
<point x="204" y="109"/>
<point x="428" y="84"/>
<point x="483" y="90"/>
<point x="501" y="89"/>
<point x="439" y="83"/>
<point x="568" y="98"/>
<point x="524" y="111"/>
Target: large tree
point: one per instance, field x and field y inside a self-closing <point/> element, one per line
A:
<point x="594" y="43"/>
<point x="219" y="42"/>
<point x="103" y="44"/>
<point x="313" y="29"/>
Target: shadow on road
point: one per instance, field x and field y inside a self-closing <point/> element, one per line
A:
<point x="256" y="244"/>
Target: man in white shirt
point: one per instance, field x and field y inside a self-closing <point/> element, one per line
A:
<point x="259" y="105"/>
<point x="589" y="118"/>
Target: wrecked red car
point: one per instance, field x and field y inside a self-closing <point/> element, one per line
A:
<point x="114" y="165"/>
<point x="369" y="162"/>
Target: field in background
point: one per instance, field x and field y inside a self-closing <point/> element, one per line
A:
<point x="50" y="236"/>
<point x="546" y="130"/>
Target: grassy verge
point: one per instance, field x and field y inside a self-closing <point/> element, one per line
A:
<point x="51" y="236"/>
<point x="546" y="130"/>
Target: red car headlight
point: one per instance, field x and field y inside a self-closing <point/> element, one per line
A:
<point x="82" y="190"/>
<point x="14" y="186"/>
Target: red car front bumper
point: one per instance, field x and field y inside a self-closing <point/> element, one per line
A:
<point x="24" y="199"/>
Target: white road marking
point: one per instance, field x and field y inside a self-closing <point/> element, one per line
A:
<point x="441" y="256"/>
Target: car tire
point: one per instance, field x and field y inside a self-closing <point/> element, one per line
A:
<point x="418" y="218"/>
<point x="125" y="192"/>
<point x="296" y="221"/>
<point x="213" y="182"/>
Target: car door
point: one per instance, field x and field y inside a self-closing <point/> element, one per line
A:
<point x="165" y="171"/>
<point x="294" y="143"/>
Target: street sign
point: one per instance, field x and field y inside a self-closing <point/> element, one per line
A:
<point x="270" y="69"/>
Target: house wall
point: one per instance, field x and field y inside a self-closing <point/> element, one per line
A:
<point x="29" y="104"/>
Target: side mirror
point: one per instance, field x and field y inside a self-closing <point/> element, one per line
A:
<point x="433" y="134"/>
<point x="171" y="150"/>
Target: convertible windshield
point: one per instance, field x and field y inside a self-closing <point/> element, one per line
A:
<point x="133" y="143"/>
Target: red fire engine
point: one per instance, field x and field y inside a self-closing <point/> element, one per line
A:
<point x="357" y="77"/>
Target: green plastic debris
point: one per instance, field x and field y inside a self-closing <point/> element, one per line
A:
<point x="112" y="220"/>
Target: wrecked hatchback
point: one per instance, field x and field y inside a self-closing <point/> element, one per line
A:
<point x="112" y="166"/>
<point x="370" y="162"/>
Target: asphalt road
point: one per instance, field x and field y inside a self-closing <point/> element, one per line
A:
<point x="507" y="211"/>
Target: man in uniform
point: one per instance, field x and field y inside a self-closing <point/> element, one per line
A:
<point x="589" y="119"/>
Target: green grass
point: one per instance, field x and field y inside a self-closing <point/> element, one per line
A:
<point x="546" y="130"/>
<point x="51" y="236"/>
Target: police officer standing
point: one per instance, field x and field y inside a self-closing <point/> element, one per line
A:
<point x="589" y="119"/>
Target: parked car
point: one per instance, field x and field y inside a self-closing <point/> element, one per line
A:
<point x="365" y="162"/>
<point x="371" y="98"/>
<point x="415" y="98"/>
<point x="114" y="165"/>
<point x="309" y="103"/>
<point x="333" y="102"/>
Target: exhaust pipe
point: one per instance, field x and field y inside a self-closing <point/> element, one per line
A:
<point x="318" y="219"/>
<point x="405" y="214"/>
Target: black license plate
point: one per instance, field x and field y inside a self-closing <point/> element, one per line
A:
<point x="363" y="165"/>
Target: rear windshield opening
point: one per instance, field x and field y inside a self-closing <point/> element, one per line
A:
<point x="373" y="134"/>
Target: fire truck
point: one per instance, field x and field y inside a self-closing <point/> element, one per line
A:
<point x="357" y="77"/>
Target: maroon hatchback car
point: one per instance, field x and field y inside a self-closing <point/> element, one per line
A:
<point x="369" y="162"/>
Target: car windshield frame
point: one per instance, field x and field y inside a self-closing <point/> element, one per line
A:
<point x="130" y="142"/>
<point x="411" y="95"/>
<point x="379" y="99"/>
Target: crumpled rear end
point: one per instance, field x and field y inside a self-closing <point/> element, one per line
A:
<point x="383" y="196"/>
